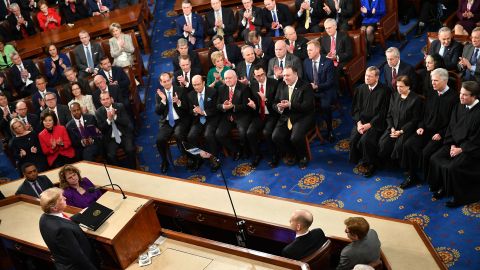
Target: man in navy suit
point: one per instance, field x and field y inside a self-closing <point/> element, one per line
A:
<point x="87" y="55"/>
<point x="23" y="73"/>
<point x="34" y="184"/>
<point x="190" y="26"/>
<point x="38" y="97"/>
<point x="320" y="73"/>
<point x="395" y="68"/>
<point x="276" y="17"/>
<point x="97" y="7"/>
<point x="263" y="46"/>
<point x="80" y="129"/>
<point x="183" y="77"/>
<point x="221" y="21"/>
<point x="114" y="76"/>
<point x="231" y="52"/>
<point x="447" y="47"/>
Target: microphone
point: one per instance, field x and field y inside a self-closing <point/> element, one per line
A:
<point x="111" y="183"/>
<point x="93" y="189"/>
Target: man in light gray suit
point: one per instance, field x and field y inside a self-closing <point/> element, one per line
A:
<point x="87" y="55"/>
<point x="469" y="62"/>
<point x="365" y="246"/>
<point x="281" y="60"/>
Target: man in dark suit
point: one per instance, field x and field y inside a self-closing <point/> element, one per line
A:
<point x="33" y="185"/>
<point x="447" y="47"/>
<point x="294" y="102"/>
<point x="309" y="14"/>
<point x="114" y="75"/>
<point x="319" y="72"/>
<point x="4" y="11"/>
<point x="340" y="11"/>
<point x="231" y="52"/>
<point x="263" y="95"/>
<point x="31" y="120"/>
<point x="190" y="26"/>
<point x="395" y="68"/>
<point x="115" y="92"/>
<point x="7" y="112"/>
<point x="72" y="77"/>
<point x="183" y="50"/>
<point x="220" y="21"/>
<point x="23" y="73"/>
<point x="249" y="19"/>
<point x="469" y="62"/>
<point x="296" y="45"/>
<point x="80" y="129"/>
<point x="306" y="241"/>
<point x="341" y="51"/>
<point x="232" y="102"/>
<point x="72" y="10"/>
<point x="87" y="55"/>
<point x="282" y="59"/>
<point x="61" y="111"/>
<point x="96" y="8"/>
<point x="245" y="68"/>
<point x="276" y="16"/>
<point x="38" y="97"/>
<point x="68" y="244"/>
<point x="171" y="104"/>
<point x="20" y="23"/>
<point x="263" y="46"/>
<point x="183" y="77"/>
<point x="369" y="113"/>
<point x="203" y="107"/>
<point x="117" y="130"/>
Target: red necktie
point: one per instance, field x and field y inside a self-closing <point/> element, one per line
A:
<point x="72" y="7"/>
<point x="333" y="49"/>
<point x="394" y="78"/>
<point x="226" y="57"/>
<point x="65" y="216"/>
<point x="262" y="104"/>
<point x="292" y="45"/>
<point x="230" y="94"/>
<point x="251" y="27"/>
<point x="23" y="29"/>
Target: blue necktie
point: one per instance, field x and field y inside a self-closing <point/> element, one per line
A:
<point x="203" y="119"/>
<point x="89" y="58"/>
<point x="248" y="71"/>
<point x="274" y="16"/>
<point x="171" y="118"/>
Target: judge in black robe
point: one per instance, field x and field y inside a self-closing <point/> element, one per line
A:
<point x="369" y="111"/>
<point x="403" y="115"/>
<point x="454" y="168"/>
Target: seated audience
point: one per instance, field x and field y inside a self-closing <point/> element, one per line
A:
<point x="294" y="102"/>
<point x="7" y="112"/>
<point x="84" y="133"/>
<point x="220" y="21"/>
<point x="25" y="146"/>
<point x="447" y="47"/>
<point x="183" y="77"/>
<point x="87" y="55"/>
<point x="372" y="12"/>
<point x="309" y="14"/>
<point x="263" y="46"/>
<point x="31" y="120"/>
<point x="75" y="188"/>
<point x="183" y="50"/>
<point x="245" y="68"/>
<point x="117" y="129"/>
<point x="369" y="112"/>
<point x="114" y="91"/>
<point x="72" y="10"/>
<point x="365" y="246"/>
<point x="190" y="27"/>
<point x="296" y="45"/>
<point x="249" y="19"/>
<point x="99" y="7"/>
<point x="48" y="18"/>
<point x="306" y="241"/>
<point x="55" y="66"/>
<point x="85" y="101"/>
<point x="215" y="76"/>
<point x="340" y="11"/>
<point x="115" y="75"/>
<point x="470" y="56"/>
<point x="121" y="47"/>
<point x="276" y="16"/>
<point x="6" y="89"/>
<point x="71" y="76"/>
<point x="432" y="62"/>
<point x="23" y="72"/>
<point x="231" y="52"/>
<point x="61" y="111"/>
<point x="38" y="98"/>
<point x="336" y="45"/>
<point x="453" y="168"/>
<point x="282" y="59"/>
<point x="21" y="24"/>
<point x="34" y="184"/>
<point x="55" y="142"/>
<point x="468" y="15"/>
<point x="403" y="115"/>
<point x="395" y="68"/>
<point x="6" y="51"/>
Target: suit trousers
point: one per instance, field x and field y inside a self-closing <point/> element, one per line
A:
<point x="179" y="132"/>
<point x="364" y="148"/>
<point x="223" y="133"/>
<point x="208" y="131"/>
<point x="127" y="145"/>
<point x="266" y="126"/>
<point x="287" y="140"/>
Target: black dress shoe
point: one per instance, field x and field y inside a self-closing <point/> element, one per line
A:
<point x="370" y="170"/>
<point x="303" y="162"/>
<point x="274" y="161"/>
<point x="409" y="181"/>
<point x="452" y="204"/>
<point x="438" y="194"/>
<point x="256" y="161"/>
<point x="164" y="167"/>
<point x="290" y="161"/>
<point x="330" y="137"/>
<point x="236" y="156"/>
<point x="214" y="165"/>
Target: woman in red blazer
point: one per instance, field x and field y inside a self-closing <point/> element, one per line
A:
<point x="54" y="140"/>
<point x="48" y="18"/>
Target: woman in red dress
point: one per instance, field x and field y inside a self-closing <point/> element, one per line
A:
<point x="48" y="18"/>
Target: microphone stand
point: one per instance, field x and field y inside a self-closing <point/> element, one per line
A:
<point x="111" y="183"/>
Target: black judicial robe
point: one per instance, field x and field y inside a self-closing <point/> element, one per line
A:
<point x="460" y="175"/>
<point x="403" y="114"/>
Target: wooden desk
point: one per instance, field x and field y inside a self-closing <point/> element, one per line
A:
<point x="128" y="18"/>
<point x="410" y="251"/>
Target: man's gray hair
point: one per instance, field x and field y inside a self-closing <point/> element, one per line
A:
<point x="440" y="72"/>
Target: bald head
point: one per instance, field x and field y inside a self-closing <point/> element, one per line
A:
<point x="280" y="49"/>
<point x="197" y="83"/>
<point x="301" y="220"/>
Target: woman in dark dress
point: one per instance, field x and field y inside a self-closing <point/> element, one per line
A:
<point x="403" y="115"/>
<point x="432" y="62"/>
<point x="468" y="14"/>
<point x="55" y="65"/>
<point x="25" y="146"/>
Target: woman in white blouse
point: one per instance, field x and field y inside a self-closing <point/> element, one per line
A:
<point x="121" y="46"/>
<point x="85" y="101"/>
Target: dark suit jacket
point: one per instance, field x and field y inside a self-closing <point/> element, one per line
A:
<point x="17" y="34"/>
<point x="305" y="245"/>
<point x="209" y="105"/>
<point x="64" y="114"/>
<point x="27" y="189"/>
<point x="256" y="13"/>
<point x="302" y="101"/>
<point x="74" y="133"/>
<point x="195" y="62"/>
<point x="290" y="59"/>
<point x="81" y="11"/>
<point x="34" y="121"/>
<point x="192" y="73"/>
<point x="121" y="77"/>
<point x="403" y="69"/>
<point x="3" y="10"/>
<point x="270" y="92"/>
<point x="16" y="78"/>
<point x="283" y="14"/>
<point x="123" y="122"/>
<point x="68" y="244"/>
<point x="267" y="47"/>
<point x="233" y="53"/>
<point x="346" y="11"/>
<point x="317" y="15"/>
<point x="162" y="109"/>
<point x="450" y="54"/>
<point x="241" y="112"/>
<point x="5" y="123"/>
<point x="197" y="25"/>
<point x="36" y="96"/>
<point x="241" y="68"/>
<point x="93" y="7"/>
<point x="81" y="58"/>
<point x="228" y="20"/>
<point x="343" y="47"/>
<point x="326" y="78"/>
<point x="300" y="48"/>
<point x="115" y="93"/>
